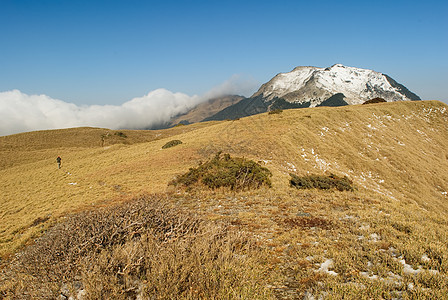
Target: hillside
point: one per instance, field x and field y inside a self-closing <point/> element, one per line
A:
<point x="386" y="239"/>
<point x="33" y="146"/>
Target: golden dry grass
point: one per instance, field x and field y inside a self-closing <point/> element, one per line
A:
<point x="30" y="147"/>
<point x="377" y="238"/>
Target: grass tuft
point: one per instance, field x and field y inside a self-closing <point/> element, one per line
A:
<point x="275" y="111"/>
<point x="172" y="144"/>
<point x="321" y="182"/>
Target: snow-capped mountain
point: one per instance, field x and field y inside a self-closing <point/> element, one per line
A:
<point x="337" y="85"/>
<point x="316" y="85"/>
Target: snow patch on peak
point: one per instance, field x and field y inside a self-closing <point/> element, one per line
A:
<point x="288" y="82"/>
<point x="337" y="66"/>
<point x="357" y="85"/>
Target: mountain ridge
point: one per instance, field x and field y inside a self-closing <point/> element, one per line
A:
<point x="307" y="86"/>
<point x="357" y="84"/>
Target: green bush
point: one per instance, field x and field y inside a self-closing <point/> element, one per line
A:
<point x="321" y="182"/>
<point x="172" y="144"/>
<point x="225" y="171"/>
<point x="375" y="100"/>
<point x="275" y="111"/>
<point x="121" y="134"/>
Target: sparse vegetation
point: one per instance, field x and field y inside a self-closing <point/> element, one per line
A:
<point x="171" y="144"/>
<point x="321" y="182"/>
<point x="225" y="171"/>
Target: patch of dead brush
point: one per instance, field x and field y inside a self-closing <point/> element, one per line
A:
<point x="142" y="248"/>
<point x="308" y="222"/>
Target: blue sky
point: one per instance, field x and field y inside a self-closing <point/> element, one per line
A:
<point x="108" y="52"/>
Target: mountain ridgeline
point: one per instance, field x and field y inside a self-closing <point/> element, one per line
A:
<point x="303" y="87"/>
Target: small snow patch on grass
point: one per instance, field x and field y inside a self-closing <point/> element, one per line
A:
<point x="374" y="237"/>
<point x="425" y="258"/>
<point x="325" y="266"/>
<point x="364" y="227"/>
<point x="366" y="275"/>
<point x="408" y="269"/>
<point x="291" y="167"/>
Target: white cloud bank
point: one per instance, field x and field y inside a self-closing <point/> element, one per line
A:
<point x="20" y="112"/>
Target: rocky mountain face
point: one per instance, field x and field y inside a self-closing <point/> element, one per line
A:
<point x="337" y="85"/>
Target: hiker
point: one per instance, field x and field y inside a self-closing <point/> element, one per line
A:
<point x="59" y="161"/>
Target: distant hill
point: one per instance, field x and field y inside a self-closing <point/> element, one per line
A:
<point x="33" y="146"/>
<point x="206" y="109"/>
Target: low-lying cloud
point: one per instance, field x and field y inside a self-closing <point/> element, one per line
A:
<point x="20" y="112"/>
<point x="235" y="85"/>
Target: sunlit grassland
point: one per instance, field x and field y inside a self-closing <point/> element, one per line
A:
<point x="30" y="147"/>
<point x="35" y="191"/>
<point x="396" y="154"/>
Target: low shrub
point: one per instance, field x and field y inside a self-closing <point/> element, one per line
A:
<point x="275" y="111"/>
<point x="375" y="100"/>
<point x="225" y="171"/>
<point x="321" y="182"/>
<point x="121" y="134"/>
<point x="172" y="144"/>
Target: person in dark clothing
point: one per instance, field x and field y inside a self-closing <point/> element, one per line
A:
<point x="59" y="159"/>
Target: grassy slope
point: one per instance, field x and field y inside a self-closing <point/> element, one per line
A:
<point x="33" y="146"/>
<point x="32" y="188"/>
<point x="396" y="153"/>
